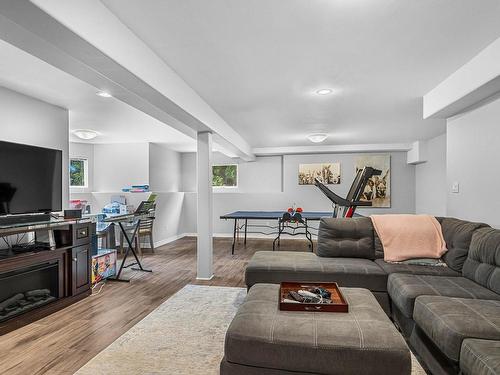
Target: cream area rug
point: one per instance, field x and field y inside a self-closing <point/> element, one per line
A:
<point x="184" y="335"/>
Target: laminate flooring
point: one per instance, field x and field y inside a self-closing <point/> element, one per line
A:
<point x="64" y="341"/>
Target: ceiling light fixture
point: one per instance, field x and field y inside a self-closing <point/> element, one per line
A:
<point x="104" y="94"/>
<point x="324" y="91"/>
<point x="317" y="137"/>
<point x="85" y="134"/>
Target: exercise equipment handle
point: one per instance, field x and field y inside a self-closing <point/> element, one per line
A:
<point x="332" y="196"/>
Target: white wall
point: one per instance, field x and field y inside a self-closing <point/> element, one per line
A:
<point x="473" y="141"/>
<point x="165" y="180"/>
<point x="188" y="172"/>
<point x="260" y="187"/>
<point x="119" y="165"/>
<point x="261" y="176"/>
<point x="164" y="168"/>
<point x="430" y="179"/>
<point x="114" y="166"/>
<point x="84" y="151"/>
<point x="26" y="120"/>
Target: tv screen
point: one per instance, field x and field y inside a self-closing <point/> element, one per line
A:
<point x="30" y="179"/>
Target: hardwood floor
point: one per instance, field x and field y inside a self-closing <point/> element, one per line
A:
<point x="63" y="342"/>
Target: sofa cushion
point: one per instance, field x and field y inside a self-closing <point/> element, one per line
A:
<point x="483" y="262"/>
<point x="379" y="248"/>
<point x="277" y="266"/>
<point x="480" y="357"/>
<point x="348" y="238"/>
<point x="415" y="269"/>
<point x="448" y="321"/>
<point x="361" y="341"/>
<point x="405" y="288"/>
<point x="457" y="235"/>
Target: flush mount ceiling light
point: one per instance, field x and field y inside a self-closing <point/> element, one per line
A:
<point x="324" y="91"/>
<point x="317" y="137"/>
<point x="104" y="94"/>
<point x="86" y="134"/>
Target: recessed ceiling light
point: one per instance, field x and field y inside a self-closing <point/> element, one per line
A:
<point x="86" y="134"/>
<point x="324" y="91"/>
<point x="104" y="94"/>
<point x="317" y="137"/>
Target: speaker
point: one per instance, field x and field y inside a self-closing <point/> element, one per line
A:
<point x="72" y="214"/>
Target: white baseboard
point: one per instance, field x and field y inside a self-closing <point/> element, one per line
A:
<point x="168" y="240"/>
<point x="145" y="245"/>
<point x="205" y="278"/>
<point x="249" y="235"/>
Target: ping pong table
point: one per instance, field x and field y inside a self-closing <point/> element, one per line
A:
<point x="278" y="229"/>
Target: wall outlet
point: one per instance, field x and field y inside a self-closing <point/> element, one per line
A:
<point x="455" y="187"/>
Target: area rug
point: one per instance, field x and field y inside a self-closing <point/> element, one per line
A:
<point x="184" y="335"/>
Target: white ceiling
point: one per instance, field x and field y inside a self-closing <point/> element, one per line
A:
<point x="258" y="63"/>
<point x="116" y="121"/>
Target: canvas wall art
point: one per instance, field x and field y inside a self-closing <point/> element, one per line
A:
<point x="327" y="173"/>
<point x="378" y="189"/>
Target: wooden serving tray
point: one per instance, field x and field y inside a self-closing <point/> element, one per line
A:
<point x="338" y="304"/>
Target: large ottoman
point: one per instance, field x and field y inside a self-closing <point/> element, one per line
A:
<point x="264" y="340"/>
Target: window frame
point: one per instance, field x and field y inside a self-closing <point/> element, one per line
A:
<point x="237" y="175"/>
<point x="85" y="173"/>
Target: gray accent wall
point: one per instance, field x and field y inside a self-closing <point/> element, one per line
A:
<point x="271" y="183"/>
<point x="473" y="141"/>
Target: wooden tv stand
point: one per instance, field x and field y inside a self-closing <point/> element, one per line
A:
<point x="68" y="257"/>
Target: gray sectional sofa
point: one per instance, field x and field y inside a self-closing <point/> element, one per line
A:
<point x="449" y="315"/>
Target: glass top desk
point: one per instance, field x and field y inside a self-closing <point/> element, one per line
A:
<point x="129" y="225"/>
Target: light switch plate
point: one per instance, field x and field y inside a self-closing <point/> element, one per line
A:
<point x="455" y="187"/>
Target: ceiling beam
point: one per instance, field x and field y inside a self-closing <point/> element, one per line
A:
<point x="84" y="39"/>
<point x="470" y="85"/>
<point x="331" y="149"/>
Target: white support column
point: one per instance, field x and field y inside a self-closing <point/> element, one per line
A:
<point x="205" y="206"/>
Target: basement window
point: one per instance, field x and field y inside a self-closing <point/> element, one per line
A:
<point x="78" y="173"/>
<point x="225" y="175"/>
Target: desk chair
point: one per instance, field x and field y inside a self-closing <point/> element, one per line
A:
<point x="145" y="230"/>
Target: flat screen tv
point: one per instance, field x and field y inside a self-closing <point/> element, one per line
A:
<point x="30" y="179"/>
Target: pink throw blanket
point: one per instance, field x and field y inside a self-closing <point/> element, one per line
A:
<point x="409" y="236"/>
